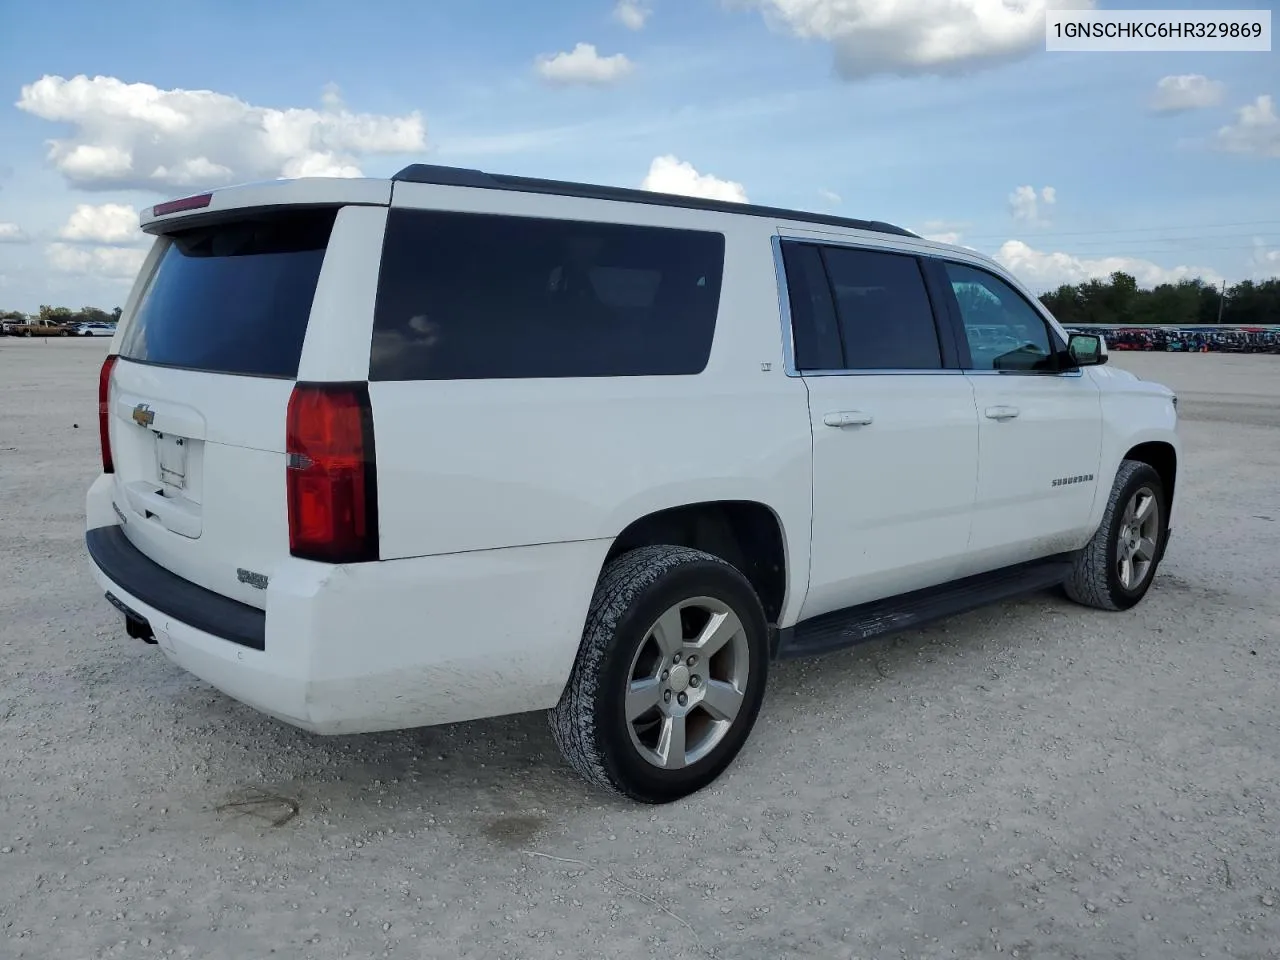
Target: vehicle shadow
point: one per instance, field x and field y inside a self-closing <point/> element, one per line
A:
<point x="502" y="781"/>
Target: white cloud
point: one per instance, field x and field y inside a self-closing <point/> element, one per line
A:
<point x="942" y="231"/>
<point x="331" y="96"/>
<point x="87" y="161"/>
<point x="1256" y="130"/>
<point x="831" y="197"/>
<point x="1028" y="206"/>
<point x="583" y="65"/>
<point x="1042" y="270"/>
<point x="668" y="174"/>
<point x="135" y="135"/>
<point x="320" y="165"/>
<point x="1265" y="262"/>
<point x="632" y="14"/>
<point x="196" y="170"/>
<point x="1190" y="91"/>
<point x="109" y="223"/>
<point x="917" y="36"/>
<point x="111" y="263"/>
<point x="11" y="233"/>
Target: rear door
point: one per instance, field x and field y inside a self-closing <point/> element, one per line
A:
<point x="895" y="433"/>
<point x="199" y="393"/>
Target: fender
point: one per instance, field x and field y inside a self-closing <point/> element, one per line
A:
<point x="1134" y="412"/>
<point x="789" y="501"/>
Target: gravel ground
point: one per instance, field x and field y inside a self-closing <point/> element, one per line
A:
<point x="1035" y="780"/>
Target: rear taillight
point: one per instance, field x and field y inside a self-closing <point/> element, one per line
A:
<point x="331" y="478"/>
<point x="104" y="412"/>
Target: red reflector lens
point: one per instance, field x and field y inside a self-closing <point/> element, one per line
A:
<point x="186" y="203"/>
<point x="330" y="475"/>
<point x="104" y="412"/>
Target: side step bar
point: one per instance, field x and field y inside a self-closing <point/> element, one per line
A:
<point x="854" y="625"/>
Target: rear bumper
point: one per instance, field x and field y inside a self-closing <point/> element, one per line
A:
<point x="151" y="584"/>
<point x="373" y="646"/>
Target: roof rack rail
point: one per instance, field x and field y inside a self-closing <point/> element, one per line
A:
<point x="463" y="177"/>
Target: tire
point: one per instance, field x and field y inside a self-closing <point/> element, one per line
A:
<point x="625" y="660"/>
<point x="1099" y="577"/>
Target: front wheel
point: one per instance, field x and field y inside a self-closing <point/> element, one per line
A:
<point x="669" y="678"/>
<point x="1115" y="570"/>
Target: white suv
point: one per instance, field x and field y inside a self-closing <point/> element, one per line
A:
<point x="388" y="453"/>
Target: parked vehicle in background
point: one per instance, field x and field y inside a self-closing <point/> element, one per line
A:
<point x="38" y="328"/>
<point x="94" y="330"/>
<point x="464" y="445"/>
<point x="1188" y="339"/>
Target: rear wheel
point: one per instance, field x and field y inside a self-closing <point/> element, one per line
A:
<point x="669" y="678"/>
<point x="1115" y="570"/>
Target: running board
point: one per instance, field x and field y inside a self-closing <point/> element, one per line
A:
<point x="853" y="625"/>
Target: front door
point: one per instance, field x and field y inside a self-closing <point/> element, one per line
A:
<point x="1039" y="426"/>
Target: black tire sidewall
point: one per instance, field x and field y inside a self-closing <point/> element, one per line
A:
<point x="625" y="766"/>
<point x="1144" y="476"/>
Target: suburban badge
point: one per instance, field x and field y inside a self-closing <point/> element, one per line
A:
<point x="252" y="578"/>
<point x="1065" y="481"/>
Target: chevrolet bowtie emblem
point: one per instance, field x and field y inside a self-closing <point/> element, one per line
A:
<point x="143" y="415"/>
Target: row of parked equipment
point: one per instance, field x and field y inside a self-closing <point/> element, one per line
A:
<point x="1189" y="339"/>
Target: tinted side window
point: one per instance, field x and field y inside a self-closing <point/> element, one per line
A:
<point x="885" y="316"/>
<point x="476" y="296"/>
<point x="233" y="297"/>
<point x="1003" y="330"/>
<point x="814" y="334"/>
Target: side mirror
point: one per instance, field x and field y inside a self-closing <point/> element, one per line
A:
<point x="1087" y="349"/>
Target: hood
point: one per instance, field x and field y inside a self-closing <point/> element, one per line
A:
<point x="1130" y="380"/>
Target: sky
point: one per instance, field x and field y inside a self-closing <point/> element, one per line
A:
<point x="947" y="117"/>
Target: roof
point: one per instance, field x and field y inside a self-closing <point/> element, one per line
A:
<point x="462" y="177"/>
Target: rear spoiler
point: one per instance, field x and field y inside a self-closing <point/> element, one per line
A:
<point x="305" y="192"/>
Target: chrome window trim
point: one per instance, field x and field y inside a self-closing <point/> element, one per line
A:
<point x="1079" y="372"/>
<point x="788" y="333"/>
<point x="784" y="308"/>
<point x="943" y="372"/>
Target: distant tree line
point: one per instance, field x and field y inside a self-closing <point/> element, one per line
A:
<point x="49" y="314"/>
<point x="1187" y="303"/>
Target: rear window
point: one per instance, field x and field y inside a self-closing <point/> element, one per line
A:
<point x="479" y="296"/>
<point x="233" y="297"/>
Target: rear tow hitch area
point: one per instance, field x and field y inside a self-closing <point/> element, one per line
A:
<point x="135" y="625"/>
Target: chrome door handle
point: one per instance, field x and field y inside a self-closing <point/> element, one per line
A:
<point x="847" y="418"/>
<point x="1002" y="413"/>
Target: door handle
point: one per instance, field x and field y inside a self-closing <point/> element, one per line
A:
<point x="847" y="418"/>
<point x="1002" y="413"/>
